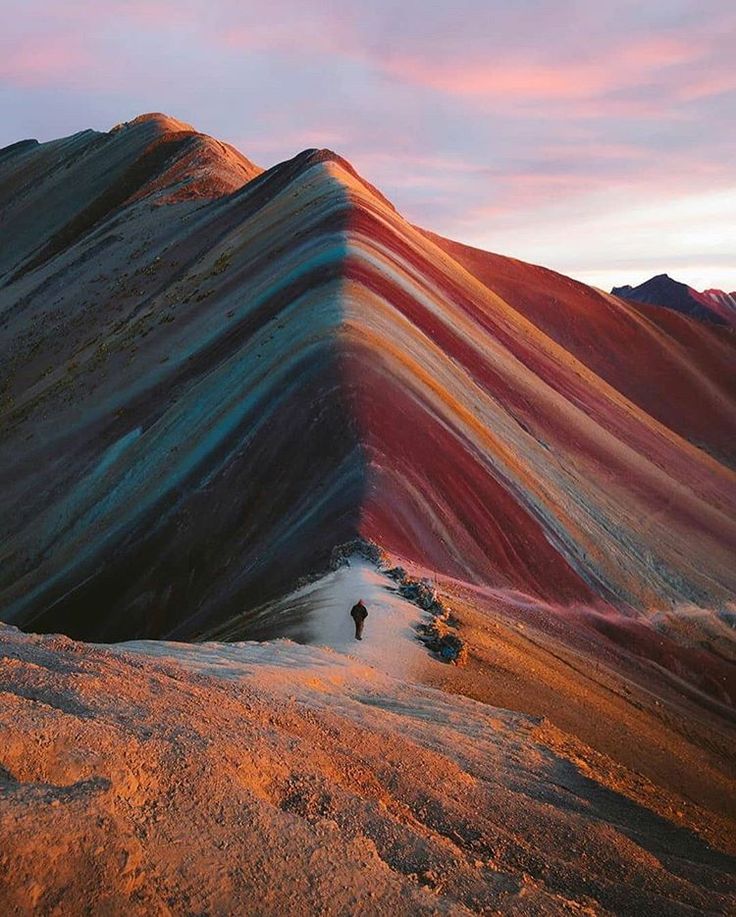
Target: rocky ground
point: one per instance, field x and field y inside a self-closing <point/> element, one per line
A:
<point x="277" y="777"/>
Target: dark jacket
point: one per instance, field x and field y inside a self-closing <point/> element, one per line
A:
<point x="359" y="612"/>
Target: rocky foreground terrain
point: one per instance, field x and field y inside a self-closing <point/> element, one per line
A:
<point x="162" y="778"/>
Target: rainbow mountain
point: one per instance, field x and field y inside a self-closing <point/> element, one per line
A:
<point x="212" y="375"/>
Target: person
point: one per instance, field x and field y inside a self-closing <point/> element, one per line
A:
<point x="359" y="613"/>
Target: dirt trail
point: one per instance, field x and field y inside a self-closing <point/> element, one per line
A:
<point x="389" y="639"/>
<point x="318" y="614"/>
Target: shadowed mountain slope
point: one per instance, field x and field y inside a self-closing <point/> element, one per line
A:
<point x="214" y="380"/>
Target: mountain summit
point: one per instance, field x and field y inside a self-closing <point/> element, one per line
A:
<point x="214" y="374"/>
<point x="710" y="306"/>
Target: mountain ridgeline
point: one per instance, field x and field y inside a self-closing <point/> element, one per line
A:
<point x="211" y="375"/>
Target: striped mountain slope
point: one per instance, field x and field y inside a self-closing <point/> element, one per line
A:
<point x="212" y="375"/>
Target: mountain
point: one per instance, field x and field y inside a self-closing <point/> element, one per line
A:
<point x="55" y="193"/>
<point x="710" y="306"/>
<point x="231" y="401"/>
<point x="213" y="375"/>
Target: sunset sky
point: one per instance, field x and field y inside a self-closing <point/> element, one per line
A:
<point x="594" y="138"/>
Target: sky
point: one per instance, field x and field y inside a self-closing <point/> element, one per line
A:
<point x="596" y="138"/>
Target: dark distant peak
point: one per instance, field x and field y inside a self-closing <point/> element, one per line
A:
<point x="622" y="291"/>
<point x="663" y="290"/>
<point x="662" y="282"/>
<point x="21" y="146"/>
<point x="652" y="290"/>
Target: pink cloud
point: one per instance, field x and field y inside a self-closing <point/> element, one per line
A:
<point x="525" y="81"/>
<point x="606" y="108"/>
<point x="514" y="79"/>
<point x="408" y="158"/>
<point x="607" y="151"/>
<point x="710" y="84"/>
<point x="524" y="193"/>
<point x="518" y="195"/>
<point x="298" y="29"/>
<point x="38" y="60"/>
<point x="654" y="52"/>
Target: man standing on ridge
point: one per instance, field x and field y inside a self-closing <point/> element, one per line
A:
<point x="359" y="613"/>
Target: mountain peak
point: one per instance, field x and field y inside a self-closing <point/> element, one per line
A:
<point x="213" y="391"/>
<point x="90" y="176"/>
<point x="313" y="156"/>
<point x="663" y="290"/>
<point x="165" y="123"/>
<point x="322" y="154"/>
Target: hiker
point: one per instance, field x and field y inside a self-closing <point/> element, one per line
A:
<point x="359" y="613"/>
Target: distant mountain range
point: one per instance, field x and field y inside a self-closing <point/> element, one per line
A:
<point x="211" y="375"/>
<point x="710" y="306"/>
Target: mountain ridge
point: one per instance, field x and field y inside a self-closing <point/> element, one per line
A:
<point x="291" y="365"/>
<point x="152" y="156"/>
